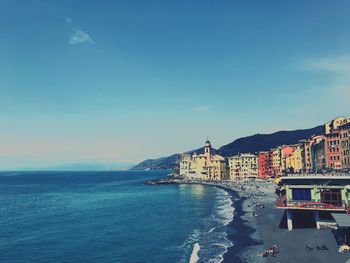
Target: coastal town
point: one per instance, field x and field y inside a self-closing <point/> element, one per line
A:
<point x="304" y="187"/>
<point x="320" y="154"/>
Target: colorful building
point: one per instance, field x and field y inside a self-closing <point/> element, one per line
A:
<point x="206" y="166"/>
<point x="344" y="141"/>
<point x="334" y="124"/>
<point x="334" y="152"/>
<point x="306" y="155"/>
<point x="318" y="153"/>
<point x="286" y="151"/>
<point x="243" y="166"/>
<point x="321" y="195"/>
<point x="294" y="160"/>
<point x="264" y="165"/>
<point x="276" y="169"/>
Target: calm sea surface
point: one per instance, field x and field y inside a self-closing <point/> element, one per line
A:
<point x="109" y="217"/>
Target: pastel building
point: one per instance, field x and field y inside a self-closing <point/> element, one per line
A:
<point x="264" y="165"/>
<point x="206" y="166"/>
<point x="318" y="153"/>
<point x="334" y="124"/>
<point x="279" y="159"/>
<point x="294" y="159"/>
<point x="243" y="166"/>
<point x="314" y="198"/>
<point x="276" y="169"/>
<point x="344" y="141"/>
<point x="333" y="147"/>
<point x="305" y="155"/>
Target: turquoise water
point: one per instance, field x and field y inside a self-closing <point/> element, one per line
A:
<point x="109" y="217"/>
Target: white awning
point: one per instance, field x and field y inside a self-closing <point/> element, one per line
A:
<point x="343" y="220"/>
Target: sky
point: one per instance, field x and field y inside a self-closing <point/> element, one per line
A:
<point x="124" y="81"/>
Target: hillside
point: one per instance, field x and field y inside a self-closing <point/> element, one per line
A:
<point x="264" y="142"/>
<point x="249" y="144"/>
<point x="163" y="163"/>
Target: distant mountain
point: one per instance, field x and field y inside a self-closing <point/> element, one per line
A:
<point x="164" y="163"/>
<point x="250" y="144"/>
<point x="82" y="167"/>
<point x="264" y="142"/>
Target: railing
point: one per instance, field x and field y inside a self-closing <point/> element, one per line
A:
<point x="282" y="202"/>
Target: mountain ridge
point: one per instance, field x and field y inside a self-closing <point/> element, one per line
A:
<point x="249" y="144"/>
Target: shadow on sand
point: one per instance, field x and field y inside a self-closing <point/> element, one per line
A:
<point x="301" y="219"/>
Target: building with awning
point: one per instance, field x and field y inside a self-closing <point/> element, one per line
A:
<point x="343" y="225"/>
<point x="343" y="220"/>
<point x="319" y="194"/>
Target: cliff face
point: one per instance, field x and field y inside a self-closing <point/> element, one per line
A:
<point x="250" y="144"/>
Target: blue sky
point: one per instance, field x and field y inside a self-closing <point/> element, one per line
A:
<point x="121" y="81"/>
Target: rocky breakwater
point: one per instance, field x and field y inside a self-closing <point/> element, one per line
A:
<point x="170" y="179"/>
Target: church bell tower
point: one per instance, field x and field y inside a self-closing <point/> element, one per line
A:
<point x="207" y="148"/>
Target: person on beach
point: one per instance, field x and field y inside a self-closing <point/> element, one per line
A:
<point x="272" y="251"/>
<point x="275" y="248"/>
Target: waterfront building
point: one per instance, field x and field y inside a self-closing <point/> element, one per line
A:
<point x="279" y="162"/>
<point x="185" y="164"/>
<point x="314" y="198"/>
<point x="294" y="160"/>
<point x="286" y="152"/>
<point x="334" y="124"/>
<point x="334" y="152"/>
<point x="205" y="166"/>
<point x="306" y="155"/>
<point x="264" y="165"/>
<point x="243" y="166"/>
<point x="318" y="153"/>
<point x="344" y="141"/>
<point x="276" y="169"/>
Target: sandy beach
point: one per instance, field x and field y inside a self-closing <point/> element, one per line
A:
<point x="269" y="227"/>
<point x="257" y="225"/>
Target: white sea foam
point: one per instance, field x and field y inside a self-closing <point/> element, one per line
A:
<point x="194" y="256"/>
<point x="212" y="229"/>
<point x="213" y="242"/>
<point x="191" y="239"/>
<point x="219" y="242"/>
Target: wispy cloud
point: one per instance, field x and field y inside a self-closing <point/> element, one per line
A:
<point x="200" y="108"/>
<point x="79" y="37"/>
<point x="68" y="20"/>
<point x="338" y="64"/>
<point x="338" y="68"/>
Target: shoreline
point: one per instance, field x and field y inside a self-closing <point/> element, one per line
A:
<point x="238" y="230"/>
<point x="257" y="224"/>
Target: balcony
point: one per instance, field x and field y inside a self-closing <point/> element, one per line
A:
<point x="282" y="203"/>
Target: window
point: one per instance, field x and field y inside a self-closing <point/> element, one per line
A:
<point x="301" y="194"/>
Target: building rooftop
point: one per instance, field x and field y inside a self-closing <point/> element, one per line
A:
<point x="311" y="177"/>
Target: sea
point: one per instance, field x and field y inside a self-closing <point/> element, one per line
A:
<point x="110" y="216"/>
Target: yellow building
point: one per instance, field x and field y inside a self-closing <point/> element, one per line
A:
<point x="277" y="162"/>
<point x="206" y="166"/>
<point x="243" y="166"/>
<point x="335" y="123"/>
<point x="294" y="160"/>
